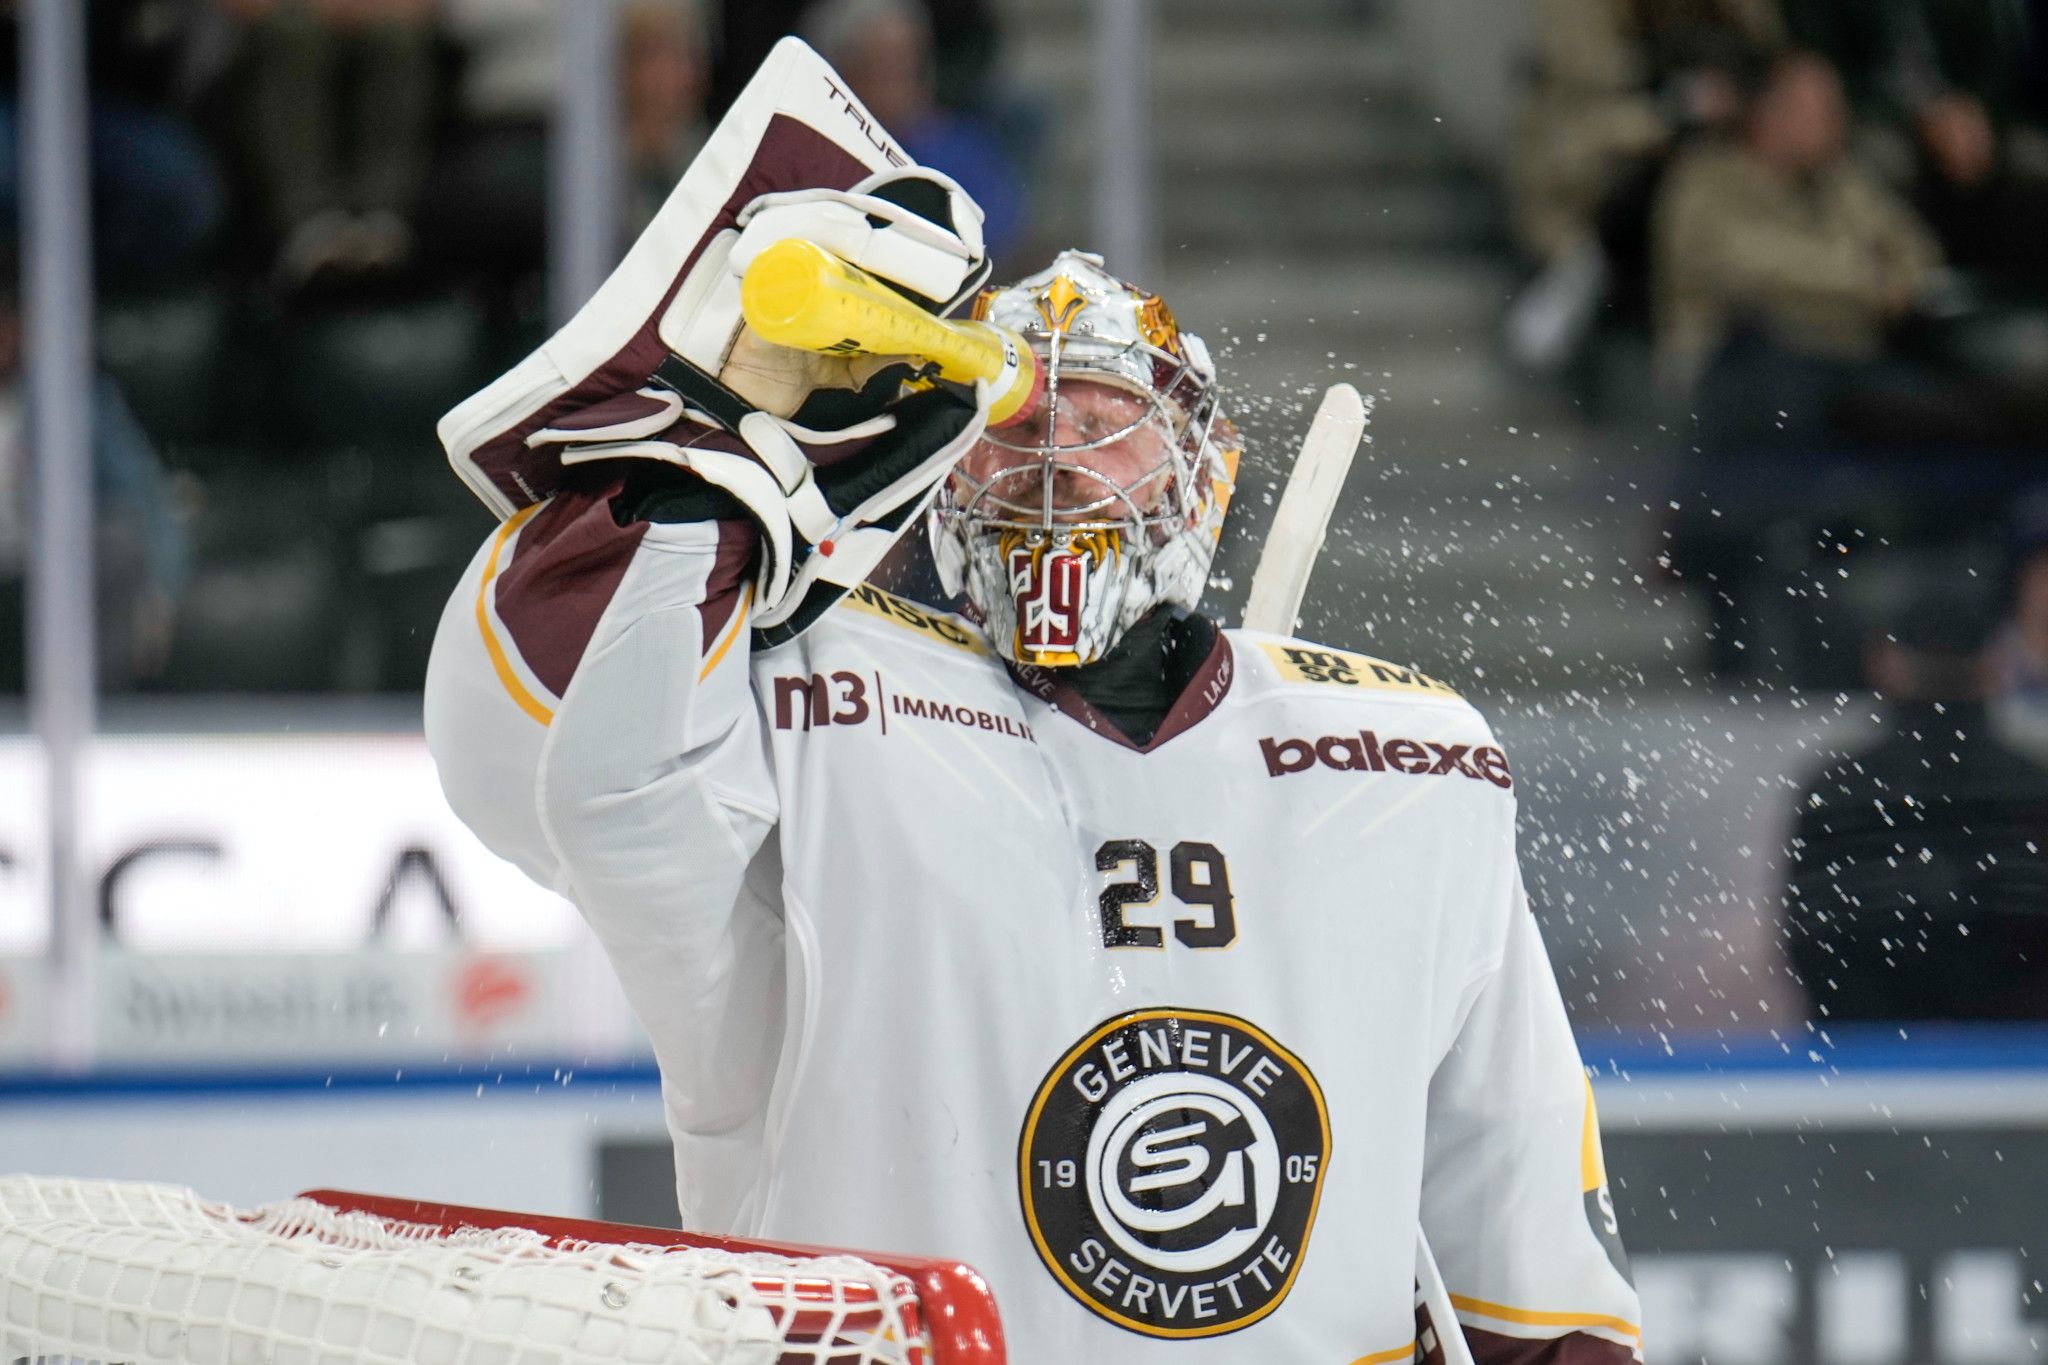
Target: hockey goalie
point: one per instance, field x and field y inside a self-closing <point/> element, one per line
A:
<point x="1178" y="977"/>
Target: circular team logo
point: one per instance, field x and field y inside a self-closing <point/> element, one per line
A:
<point x="1170" y="1167"/>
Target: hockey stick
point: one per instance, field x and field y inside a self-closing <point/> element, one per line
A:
<point x="1278" y="582"/>
<point x="1303" y="517"/>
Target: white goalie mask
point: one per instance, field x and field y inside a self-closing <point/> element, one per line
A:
<point x="1105" y="498"/>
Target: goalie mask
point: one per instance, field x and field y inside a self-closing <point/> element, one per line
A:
<point x="1105" y="499"/>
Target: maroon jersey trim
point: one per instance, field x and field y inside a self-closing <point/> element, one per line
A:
<point x="1203" y="694"/>
<point x="1573" y="1348"/>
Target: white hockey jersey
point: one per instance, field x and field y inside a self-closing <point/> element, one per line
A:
<point x="1175" y="1043"/>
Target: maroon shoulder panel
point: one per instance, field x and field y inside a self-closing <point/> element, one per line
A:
<point x="1573" y="1348"/>
<point x="791" y="156"/>
<point x="566" y="565"/>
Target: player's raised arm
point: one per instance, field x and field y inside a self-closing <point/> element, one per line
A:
<point x="679" y="511"/>
<point x="589" y="702"/>
<point x="1515" y="1201"/>
<point x="588" y="708"/>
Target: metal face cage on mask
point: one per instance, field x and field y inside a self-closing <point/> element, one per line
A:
<point x="1104" y="501"/>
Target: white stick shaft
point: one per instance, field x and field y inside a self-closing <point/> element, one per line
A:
<point x="1294" y="541"/>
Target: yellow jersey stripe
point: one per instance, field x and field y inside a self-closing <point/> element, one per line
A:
<point x="1592" y="1167"/>
<point x="1532" y="1318"/>
<point x="732" y="632"/>
<point x="514" y="687"/>
<point x="1388" y="1357"/>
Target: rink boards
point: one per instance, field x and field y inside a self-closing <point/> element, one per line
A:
<point x="313" y="975"/>
<point x="1880" y="1200"/>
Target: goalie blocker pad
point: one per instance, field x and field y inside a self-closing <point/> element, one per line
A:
<point x="796" y="155"/>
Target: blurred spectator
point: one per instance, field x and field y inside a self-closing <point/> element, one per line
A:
<point x="141" y="547"/>
<point x="2033" y="92"/>
<point x="483" y="213"/>
<point x="1795" y="294"/>
<point x="884" y="49"/>
<point x="340" y="127"/>
<point x="965" y="39"/>
<point x="1954" y="82"/>
<point x="2019" y="655"/>
<point x="1918" y="884"/>
<point x="486" y="209"/>
<point x="1777" y="233"/>
<point x="158" y="198"/>
<point x="1897" y="57"/>
<point x="1617" y="84"/>
<point x="665" y="76"/>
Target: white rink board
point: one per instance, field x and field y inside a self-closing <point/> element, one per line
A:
<point x="501" y="1149"/>
<point x="378" y="1007"/>
<point x="288" y="900"/>
<point x="282" y="842"/>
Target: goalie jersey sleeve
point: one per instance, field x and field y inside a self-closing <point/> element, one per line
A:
<point x="1515" y="1200"/>
<point x="589" y="710"/>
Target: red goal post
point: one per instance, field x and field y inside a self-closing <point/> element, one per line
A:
<point x="106" y="1271"/>
<point x="949" y="1303"/>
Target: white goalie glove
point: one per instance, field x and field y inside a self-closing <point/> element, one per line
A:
<point x="832" y="456"/>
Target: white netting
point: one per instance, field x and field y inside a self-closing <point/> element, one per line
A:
<point x="145" y="1274"/>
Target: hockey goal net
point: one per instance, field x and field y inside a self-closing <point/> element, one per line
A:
<point x="141" y="1274"/>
